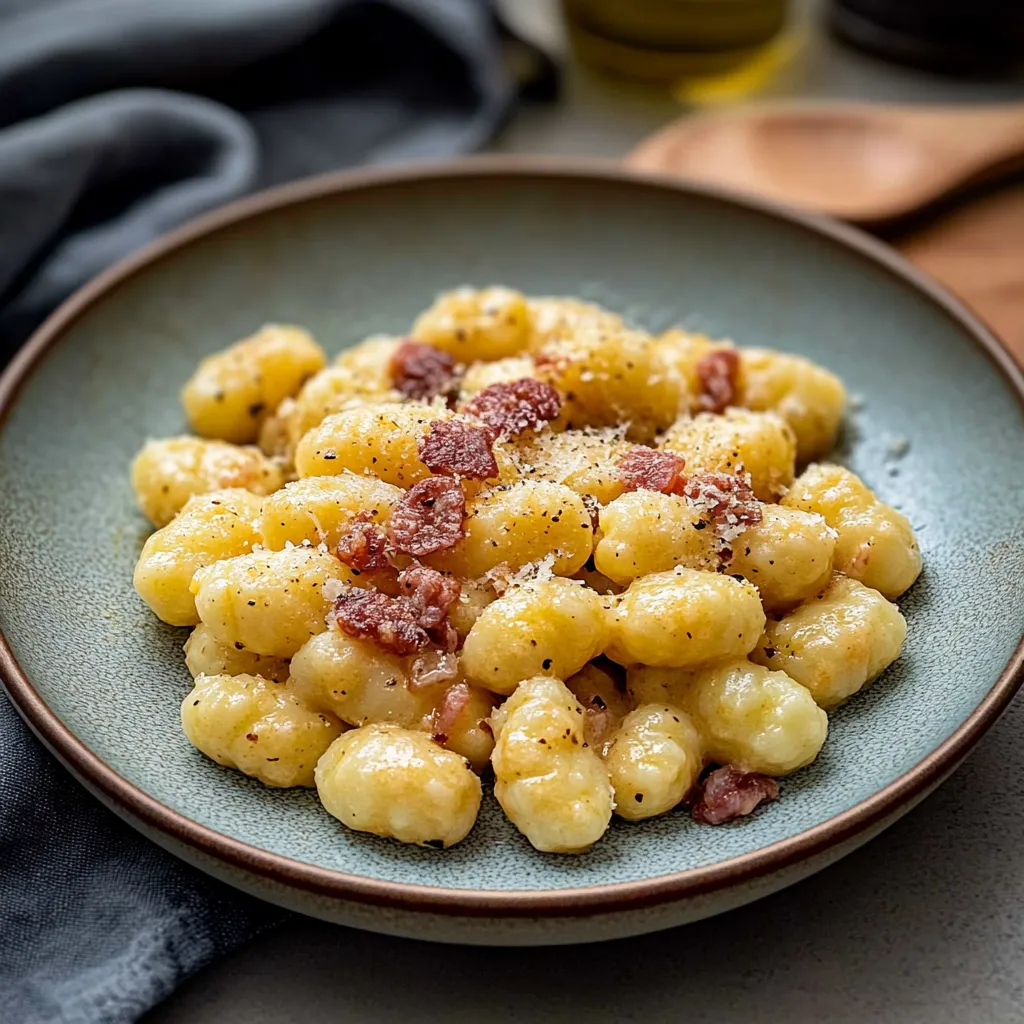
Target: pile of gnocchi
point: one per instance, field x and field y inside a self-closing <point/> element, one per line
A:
<point x="529" y="539"/>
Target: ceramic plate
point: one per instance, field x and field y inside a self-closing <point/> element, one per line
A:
<point x="938" y="433"/>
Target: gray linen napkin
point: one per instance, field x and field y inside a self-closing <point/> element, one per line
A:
<point x="118" y="120"/>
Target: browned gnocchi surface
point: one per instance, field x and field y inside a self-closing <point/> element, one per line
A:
<point x="527" y="542"/>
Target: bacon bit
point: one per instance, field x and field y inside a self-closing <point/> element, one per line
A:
<point x="718" y="373"/>
<point x="388" y="621"/>
<point x="403" y="624"/>
<point x="421" y="371"/>
<point x="364" y="545"/>
<point x="728" y="793"/>
<point x="644" y="468"/>
<point x="510" y="408"/>
<point x="431" y="668"/>
<point x="429" y="517"/>
<point x="430" y="593"/>
<point x="454" y="448"/>
<point x="447" y="712"/>
<point x="726" y="498"/>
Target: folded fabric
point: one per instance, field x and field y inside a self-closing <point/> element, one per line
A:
<point x="121" y="118"/>
<point x="118" y="120"/>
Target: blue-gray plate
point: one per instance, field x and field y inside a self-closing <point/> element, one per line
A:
<point x="100" y="680"/>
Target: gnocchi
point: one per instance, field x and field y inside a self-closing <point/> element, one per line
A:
<point x="551" y="627"/>
<point x="875" y="544"/>
<point x="375" y="440"/>
<point x="653" y="761"/>
<point x="210" y="528"/>
<point x="165" y="474"/>
<point x="398" y="784"/>
<point x="360" y="684"/>
<point x="837" y="644"/>
<point x="518" y="525"/>
<point x="738" y="441"/>
<point x="645" y="532"/>
<point x="257" y="726"/>
<point x="234" y="391"/>
<point x="809" y="398"/>
<point x="319" y="509"/>
<point x="205" y="655"/>
<point x="787" y="555"/>
<point x="523" y="536"/>
<point x="684" y="617"/>
<point x="605" y="700"/>
<point x="582" y="460"/>
<point x="269" y="602"/>
<point x="748" y="716"/>
<point x="553" y="787"/>
<point x="486" y="325"/>
<point x="331" y="391"/>
<point x="610" y="377"/>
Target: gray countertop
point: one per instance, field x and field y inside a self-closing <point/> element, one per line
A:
<point x="926" y="923"/>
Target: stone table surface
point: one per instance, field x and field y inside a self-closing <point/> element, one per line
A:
<point x="925" y="923"/>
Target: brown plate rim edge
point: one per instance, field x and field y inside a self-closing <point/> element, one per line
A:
<point x="586" y="900"/>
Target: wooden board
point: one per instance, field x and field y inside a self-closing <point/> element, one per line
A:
<point x="977" y="251"/>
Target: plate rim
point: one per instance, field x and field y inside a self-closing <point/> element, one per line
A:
<point x="569" y="902"/>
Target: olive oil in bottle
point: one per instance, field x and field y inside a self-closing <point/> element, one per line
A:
<point x="670" y="40"/>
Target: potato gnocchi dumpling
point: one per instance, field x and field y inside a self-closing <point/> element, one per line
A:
<point x="375" y="440"/>
<point x="360" y="683"/>
<point x="747" y="715"/>
<point x="476" y="325"/>
<point x="502" y="371"/>
<point x="465" y="724"/>
<point x="684" y="617"/>
<point x="738" y="441"/>
<point x="257" y="726"/>
<point x="554" y="318"/>
<point x="210" y="528"/>
<point x="517" y="525"/>
<point x="545" y="627"/>
<point x="809" y="398"/>
<point x="234" y="391"/>
<point x="205" y="655"/>
<point x="525" y="536"/>
<point x="319" y="509"/>
<point x="270" y="602"/>
<point x="610" y="378"/>
<point x="837" y="644"/>
<point x="875" y="543"/>
<point x="165" y="474"/>
<point x="399" y="784"/>
<point x="474" y="597"/>
<point x="369" y="362"/>
<point x="553" y="787"/>
<point x="654" y="760"/>
<point x="645" y="532"/>
<point x="679" y="353"/>
<point x="331" y="391"/>
<point x="787" y="555"/>
<point x="582" y="460"/>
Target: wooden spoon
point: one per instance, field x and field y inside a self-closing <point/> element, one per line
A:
<point x="861" y="162"/>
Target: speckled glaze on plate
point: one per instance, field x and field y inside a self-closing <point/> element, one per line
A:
<point x="100" y="680"/>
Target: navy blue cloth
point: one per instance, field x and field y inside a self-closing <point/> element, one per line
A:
<point x="118" y="120"/>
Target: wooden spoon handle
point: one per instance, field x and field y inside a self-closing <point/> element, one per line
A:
<point x="867" y="163"/>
